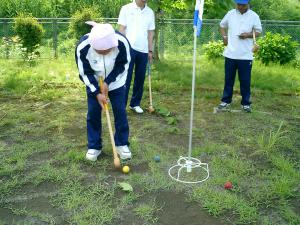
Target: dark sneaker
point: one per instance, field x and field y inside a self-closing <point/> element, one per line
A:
<point x="223" y="106"/>
<point x="246" y="108"/>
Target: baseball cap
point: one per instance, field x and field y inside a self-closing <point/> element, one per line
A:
<point x="242" y="2"/>
<point x="102" y="36"/>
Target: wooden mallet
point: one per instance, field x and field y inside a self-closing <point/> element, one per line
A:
<point x="150" y="108"/>
<point x="255" y="46"/>
<point x="117" y="162"/>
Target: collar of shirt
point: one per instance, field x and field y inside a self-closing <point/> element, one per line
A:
<point x="239" y="13"/>
<point x="137" y="7"/>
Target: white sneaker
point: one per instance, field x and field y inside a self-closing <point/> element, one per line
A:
<point x="223" y="106"/>
<point x="246" y="108"/>
<point x="136" y="109"/>
<point x="124" y="152"/>
<point x="92" y="154"/>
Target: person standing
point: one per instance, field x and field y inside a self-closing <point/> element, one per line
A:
<point x="237" y="29"/>
<point x="136" y="22"/>
<point x="104" y="54"/>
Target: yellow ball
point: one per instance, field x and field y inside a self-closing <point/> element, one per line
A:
<point x="125" y="169"/>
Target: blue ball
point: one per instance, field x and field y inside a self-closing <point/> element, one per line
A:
<point x="157" y="158"/>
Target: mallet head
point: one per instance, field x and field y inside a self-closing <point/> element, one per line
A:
<point x="151" y="109"/>
<point x="255" y="47"/>
<point x="117" y="163"/>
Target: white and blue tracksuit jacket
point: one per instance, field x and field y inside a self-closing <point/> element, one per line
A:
<point x="113" y="67"/>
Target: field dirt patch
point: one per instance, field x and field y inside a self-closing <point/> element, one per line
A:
<point x="7" y="217"/>
<point x="172" y="208"/>
<point x="33" y="211"/>
<point x="177" y="211"/>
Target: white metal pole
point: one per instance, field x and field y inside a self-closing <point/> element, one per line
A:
<point x="193" y="94"/>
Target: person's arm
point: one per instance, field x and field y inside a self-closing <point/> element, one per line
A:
<point x="122" y="29"/>
<point x="224" y="29"/>
<point x="150" y="45"/>
<point x="256" y="27"/>
<point x="246" y="35"/>
<point x="257" y="34"/>
<point x="122" y="59"/>
<point x="122" y="20"/>
<point x="86" y="72"/>
<point x="223" y="32"/>
<point x="151" y="30"/>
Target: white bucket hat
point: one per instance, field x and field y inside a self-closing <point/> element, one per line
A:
<point x="102" y="36"/>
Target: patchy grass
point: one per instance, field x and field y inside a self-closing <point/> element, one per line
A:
<point x="147" y="211"/>
<point x="45" y="179"/>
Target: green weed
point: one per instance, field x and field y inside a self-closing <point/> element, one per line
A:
<point x="217" y="202"/>
<point x="147" y="212"/>
<point x="289" y="214"/>
<point x="90" y="205"/>
<point x="268" y="143"/>
<point x="47" y="172"/>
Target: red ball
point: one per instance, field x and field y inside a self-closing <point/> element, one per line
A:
<point x="228" y="185"/>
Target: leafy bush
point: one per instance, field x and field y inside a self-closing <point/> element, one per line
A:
<point x="214" y="49"/>
<point x="277" y="10"/>
<point x="67" y="46"/>
<point x="296" y="63"/>
<point x="10" y="47"/>
<point x="276" y="48"/>
<point x="29" y="30"/>
<point x="78" y="27"/>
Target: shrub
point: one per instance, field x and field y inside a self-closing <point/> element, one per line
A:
<point x="296" y="63"/>
<point x="29" y="30"/>
<point x="11" y="47"/>
<point x="77" y="26"/>
<point x="214" y="49"/>
<point x="67" y="46"/>
<point x="276" y="48"/>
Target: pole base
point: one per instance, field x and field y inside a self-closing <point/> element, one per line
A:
<point x="189" y="170"/>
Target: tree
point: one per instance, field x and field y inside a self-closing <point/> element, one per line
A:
<point x="163" y="8"/>
<point x="184" y="9"/>
<point x="277" y="10"/>
<point x="217" y="8"/>
<point x="29" y="30"/>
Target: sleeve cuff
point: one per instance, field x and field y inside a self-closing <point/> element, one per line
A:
<point x="108" y="80"/>
<point x="96" y="92"/>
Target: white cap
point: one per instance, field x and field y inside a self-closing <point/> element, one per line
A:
<point x="102" y="36"/>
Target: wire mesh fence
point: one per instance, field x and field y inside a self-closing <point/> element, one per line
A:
<point x="175" y="36"/>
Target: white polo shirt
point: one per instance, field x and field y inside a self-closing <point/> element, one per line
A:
<point x="137" y="22"/>
<point x="238" y="23"/>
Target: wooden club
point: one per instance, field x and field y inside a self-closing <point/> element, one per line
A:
<point x="117" y="162"/>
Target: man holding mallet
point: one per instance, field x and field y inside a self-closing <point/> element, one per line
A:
<point x="237" y="32"/>
<point x="136" y="22"/>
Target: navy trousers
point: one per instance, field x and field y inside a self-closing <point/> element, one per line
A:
<point x="244" y="68"/>
<point x="94" y="125"/>
<point x="139" y="61"/>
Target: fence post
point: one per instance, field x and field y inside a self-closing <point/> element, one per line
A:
<point x="54" y="26"/>
<point x="161" y="39"/>
<point x="264" y="27"/>
<point x="6" y="33"/>
<point x="215" y="31"/>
